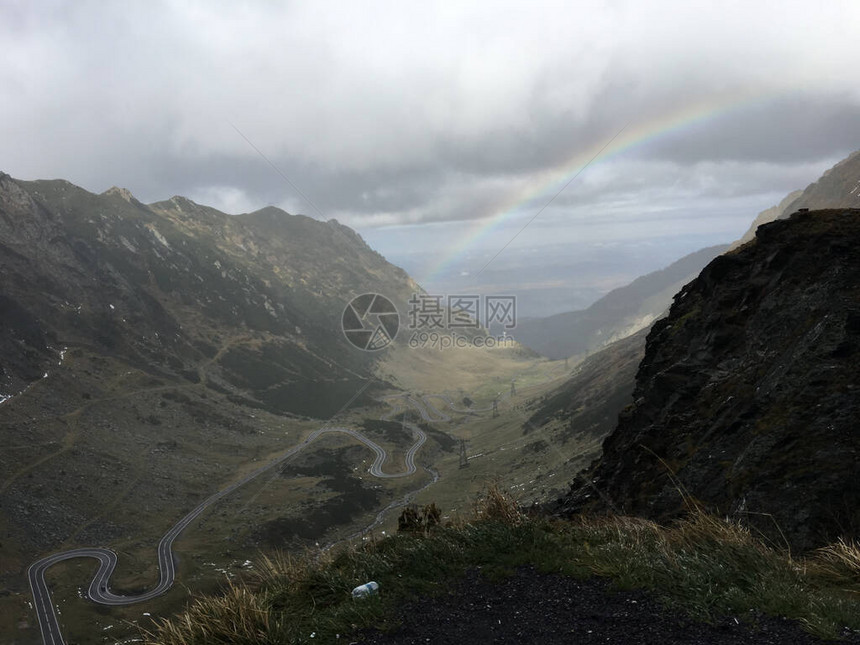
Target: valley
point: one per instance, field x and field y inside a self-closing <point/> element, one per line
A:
<point x="210" y="543"/>
<point x="156" y="355"/>
<point x="181" y="401"/>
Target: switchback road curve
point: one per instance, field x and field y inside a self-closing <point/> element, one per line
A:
<point x="99" y="590"/>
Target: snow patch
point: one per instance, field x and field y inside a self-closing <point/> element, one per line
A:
<point x="6" y="397"/>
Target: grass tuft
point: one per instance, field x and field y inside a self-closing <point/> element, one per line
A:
<point x="841" y="560"/>
<point x="498" y="506"/>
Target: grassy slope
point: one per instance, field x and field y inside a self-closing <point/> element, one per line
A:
<point x="134" y="454"/>
<point x="480" y="373"/>
<point x="498" y="448"/>
<point x="702" y="565"/>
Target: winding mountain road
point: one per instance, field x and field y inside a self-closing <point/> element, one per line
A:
<point x="99" y="590"/>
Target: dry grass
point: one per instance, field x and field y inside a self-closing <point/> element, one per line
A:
<point x="497" y="505"/>
<point x="237" y="616"/>
<point x="839" y="561"/>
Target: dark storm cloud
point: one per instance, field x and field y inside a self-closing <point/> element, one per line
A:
<point x="785" y="129"/>
<point x="386" y="114"/>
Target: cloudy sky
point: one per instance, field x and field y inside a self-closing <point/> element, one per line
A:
<point x="438" y="130"/>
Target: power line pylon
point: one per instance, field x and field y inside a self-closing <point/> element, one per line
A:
<point x="464" y="459"/>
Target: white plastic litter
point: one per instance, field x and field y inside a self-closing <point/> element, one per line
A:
<point x="367" y="589"/>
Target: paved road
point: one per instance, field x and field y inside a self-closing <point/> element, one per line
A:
<point x="424" y="407"/>
<point x="99" y="590"/>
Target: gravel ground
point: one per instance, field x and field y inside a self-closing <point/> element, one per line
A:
<point x="530" y="607"/>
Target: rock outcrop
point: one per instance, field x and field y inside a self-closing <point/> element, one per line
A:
<point x="748" y="398"/>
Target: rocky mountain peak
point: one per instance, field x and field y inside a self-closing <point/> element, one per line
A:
<point x="838" y="187"/>
<point x="122" y="193"/>
<point x="180" y="204"/>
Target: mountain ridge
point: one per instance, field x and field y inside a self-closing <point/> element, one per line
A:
<point x="838" y="187"/>
<point x="75" y="260"/>
<point x="620" y="313"/>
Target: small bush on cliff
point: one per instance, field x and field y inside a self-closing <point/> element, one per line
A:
<point x="413" y="521"/>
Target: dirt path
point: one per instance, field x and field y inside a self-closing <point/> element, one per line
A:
<point x="530" y="607"/>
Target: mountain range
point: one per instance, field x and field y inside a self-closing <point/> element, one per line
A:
<point x="636" y="306"/>
<point x="618" y="314"/>
<point x="152" y="352"/>
<point x="249" y="304"/>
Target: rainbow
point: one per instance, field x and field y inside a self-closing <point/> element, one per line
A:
<point x="632" y="136"/>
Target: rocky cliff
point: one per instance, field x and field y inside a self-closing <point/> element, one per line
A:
<point x="748" y="396"/>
